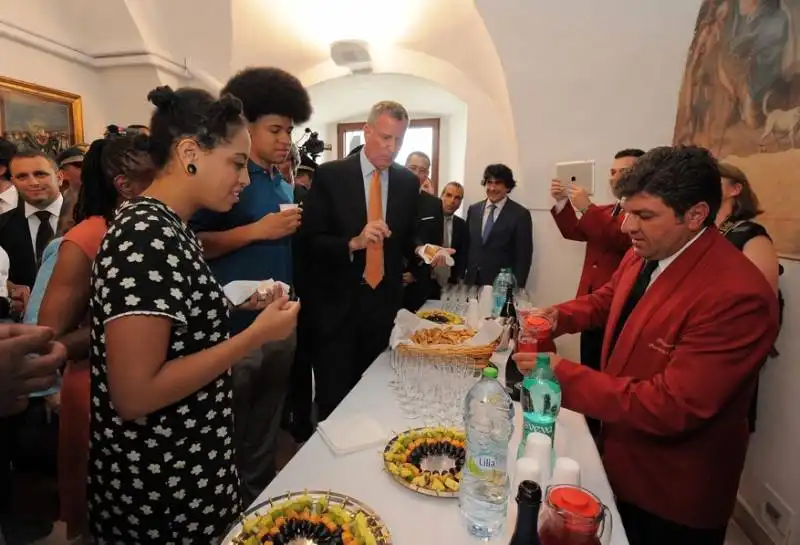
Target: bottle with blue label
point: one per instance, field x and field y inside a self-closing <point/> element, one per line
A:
<point x="489" y="421"/>
<point x="500" y="286"/>
<point x="541" y="400"/>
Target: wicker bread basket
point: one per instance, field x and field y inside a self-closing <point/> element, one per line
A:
<point x="479" y="354"/>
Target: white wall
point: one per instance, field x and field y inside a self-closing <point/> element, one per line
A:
<point x="587" y="78"/>
<point x="349" y="99"/>
<point x="31" y="65"/>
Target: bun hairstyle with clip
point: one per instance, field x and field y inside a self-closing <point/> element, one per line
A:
<point x="190" y="113"/>
<point x="118" y="154"/>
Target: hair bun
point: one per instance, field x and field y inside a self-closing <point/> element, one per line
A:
<point x="113" y="130"/>
<point x="163" y="97"/>
<point x="141" y="142"/>
<point x="229" y="106"/>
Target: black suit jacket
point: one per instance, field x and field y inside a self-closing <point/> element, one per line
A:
<point x="430" y="231"/>
<point x="460" y="243"/>
<point x="300" y="194"/>
<point x="15" y="238"/>
<point x="334" y="212"/>
<point x="510" y="244"/>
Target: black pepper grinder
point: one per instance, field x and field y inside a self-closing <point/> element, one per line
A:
<point x="529" y="499"/>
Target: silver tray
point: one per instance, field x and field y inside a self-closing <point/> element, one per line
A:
<point x="377" y="526"/>
<point x="435" y="463"/>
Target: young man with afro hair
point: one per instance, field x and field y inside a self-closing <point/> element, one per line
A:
<point x="253" y="241"/>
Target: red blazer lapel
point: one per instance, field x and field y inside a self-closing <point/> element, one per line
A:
<point x="654" y="299"/>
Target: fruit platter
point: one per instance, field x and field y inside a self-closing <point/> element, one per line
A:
<point x="309" y="518"/>
<point x="439" y="316"/>
<point x="427" y="460"/>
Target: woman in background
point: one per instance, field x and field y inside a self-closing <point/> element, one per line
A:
<point x="115" y="169"/>
<point x="735" y="221"/>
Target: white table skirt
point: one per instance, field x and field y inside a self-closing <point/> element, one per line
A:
<point x="414" y="519"/>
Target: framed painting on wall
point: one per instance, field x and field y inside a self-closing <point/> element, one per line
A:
<point x="740" y="98"/>
<point x="37" y="117"/>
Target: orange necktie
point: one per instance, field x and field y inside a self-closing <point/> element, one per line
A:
<point x="373" y="273"/>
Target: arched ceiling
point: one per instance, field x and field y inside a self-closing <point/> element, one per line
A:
<point x="222" y="36"/>
<point x="444" y="41"/>
<point x="345" y="97"/>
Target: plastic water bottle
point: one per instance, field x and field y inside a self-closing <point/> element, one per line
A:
<point x="540" y="400"/>
<point x="489" y="419"/>
<point x="500" y="287"/>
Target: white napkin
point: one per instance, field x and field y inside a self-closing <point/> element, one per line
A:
<point x="449" y="261"/>
<point x="351" y="433"/>
<point x="240" y="291"/>
<point x="406" y="323"/>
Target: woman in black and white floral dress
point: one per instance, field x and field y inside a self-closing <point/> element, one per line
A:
<point x="161" y="458"/>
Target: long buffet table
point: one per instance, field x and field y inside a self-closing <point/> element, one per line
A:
<point x="414" y="519"/>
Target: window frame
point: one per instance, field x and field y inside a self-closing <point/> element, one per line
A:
<point x="430" y="122"/>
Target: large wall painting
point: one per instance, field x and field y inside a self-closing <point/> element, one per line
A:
<point x="740" y="98"/>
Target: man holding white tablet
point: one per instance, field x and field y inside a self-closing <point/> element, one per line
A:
<point x="599" y="227"/>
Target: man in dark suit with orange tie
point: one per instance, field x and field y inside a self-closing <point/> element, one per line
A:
<point x="360" y="225"/>
<point x="681" y="354"/>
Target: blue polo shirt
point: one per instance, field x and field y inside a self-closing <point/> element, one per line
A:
<point x="260" y="260"/>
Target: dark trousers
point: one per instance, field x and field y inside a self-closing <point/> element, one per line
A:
<point x="260" y="382"/>
<point x="299" y="402"/>
<point x="418" y="292"/>
<point x="342" y="353"/>
<point x="644" y="528"/>
<point x="591" y="353"/>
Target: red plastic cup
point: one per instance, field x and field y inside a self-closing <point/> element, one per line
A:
<point x="535" y="326"/>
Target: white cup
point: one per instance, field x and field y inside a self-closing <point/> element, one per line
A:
<point x="486" y="302"/>
<point x="566" y="471"/>
<point x="288" y="206"/>
<point x="540" y="448"/>
<point x="527" y="469"/>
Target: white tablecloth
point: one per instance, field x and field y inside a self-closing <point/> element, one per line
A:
<point x="414" y="519"/>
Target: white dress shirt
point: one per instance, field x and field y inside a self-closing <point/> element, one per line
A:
<point x="367" y="170"/>
<point x="5" y="269"/>
<point x="498" y="207"/>
<point x="8" y="200"/>
<point x="667" y="261"/>
<point x="33" y="221"/>
<point x="448" y="231"/>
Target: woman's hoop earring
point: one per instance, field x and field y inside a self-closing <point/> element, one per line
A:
<point x="191" y="169"/>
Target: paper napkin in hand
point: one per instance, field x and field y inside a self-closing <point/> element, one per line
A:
<point x="239" y="291"/>
<point x="430" y="251"/>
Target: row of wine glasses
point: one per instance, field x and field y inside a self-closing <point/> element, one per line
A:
<point x="432" y="389"/>
<point x="455" y="297"/>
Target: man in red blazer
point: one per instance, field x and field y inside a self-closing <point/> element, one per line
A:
<point x="681" y="354"/>
<point x="599" y="227"/>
